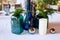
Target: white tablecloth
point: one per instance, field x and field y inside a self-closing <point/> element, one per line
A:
<point x="5" y="24"/>
<point x="5" y="21"/>
<point x="5" y="30"/>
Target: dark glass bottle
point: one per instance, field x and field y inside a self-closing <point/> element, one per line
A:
<point x="31" y="29"/>
<point x="35" y="20"/>
<point x="26" y="22"/>
<point x="26" y="26"/>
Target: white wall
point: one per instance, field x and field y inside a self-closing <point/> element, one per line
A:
<point x="55" y="17"/>
<point x="22" y="2"/>
<point x="18" y="1"/>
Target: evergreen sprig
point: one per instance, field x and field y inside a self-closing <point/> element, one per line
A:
<point x="17" y="12"/>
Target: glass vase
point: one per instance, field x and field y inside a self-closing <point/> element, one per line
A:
<point x="16" y="25"/>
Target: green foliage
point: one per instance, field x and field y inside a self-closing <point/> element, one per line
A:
<point x="42" y="6"/>
<point x="0" y="7"/>
<point x="44" y="12"/>
<point x="17" y="12"/>
<point x="51" y="2"/>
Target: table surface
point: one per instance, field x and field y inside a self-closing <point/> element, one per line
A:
<point x="5" y="32"/>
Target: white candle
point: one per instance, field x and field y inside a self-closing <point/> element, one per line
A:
<point x="42" y="26"/>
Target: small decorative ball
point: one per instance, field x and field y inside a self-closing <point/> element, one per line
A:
<point x="32" y="30"/>
<point x="52" y="31"/>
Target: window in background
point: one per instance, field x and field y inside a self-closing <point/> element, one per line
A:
<point x="6" y="8"/>
<point x="17" y="5"/>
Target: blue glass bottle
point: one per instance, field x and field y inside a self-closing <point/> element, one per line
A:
<point x="25" y="26"/>
<point x="26" y="19"/>
<point x="28" y="14"/>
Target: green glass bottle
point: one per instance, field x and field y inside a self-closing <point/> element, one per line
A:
<point x="16" y="25"/>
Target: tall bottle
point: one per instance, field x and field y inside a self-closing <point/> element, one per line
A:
<point x="32" y="29"/>
<point x="26" y="6"/>
<point x="33" y="9"/>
